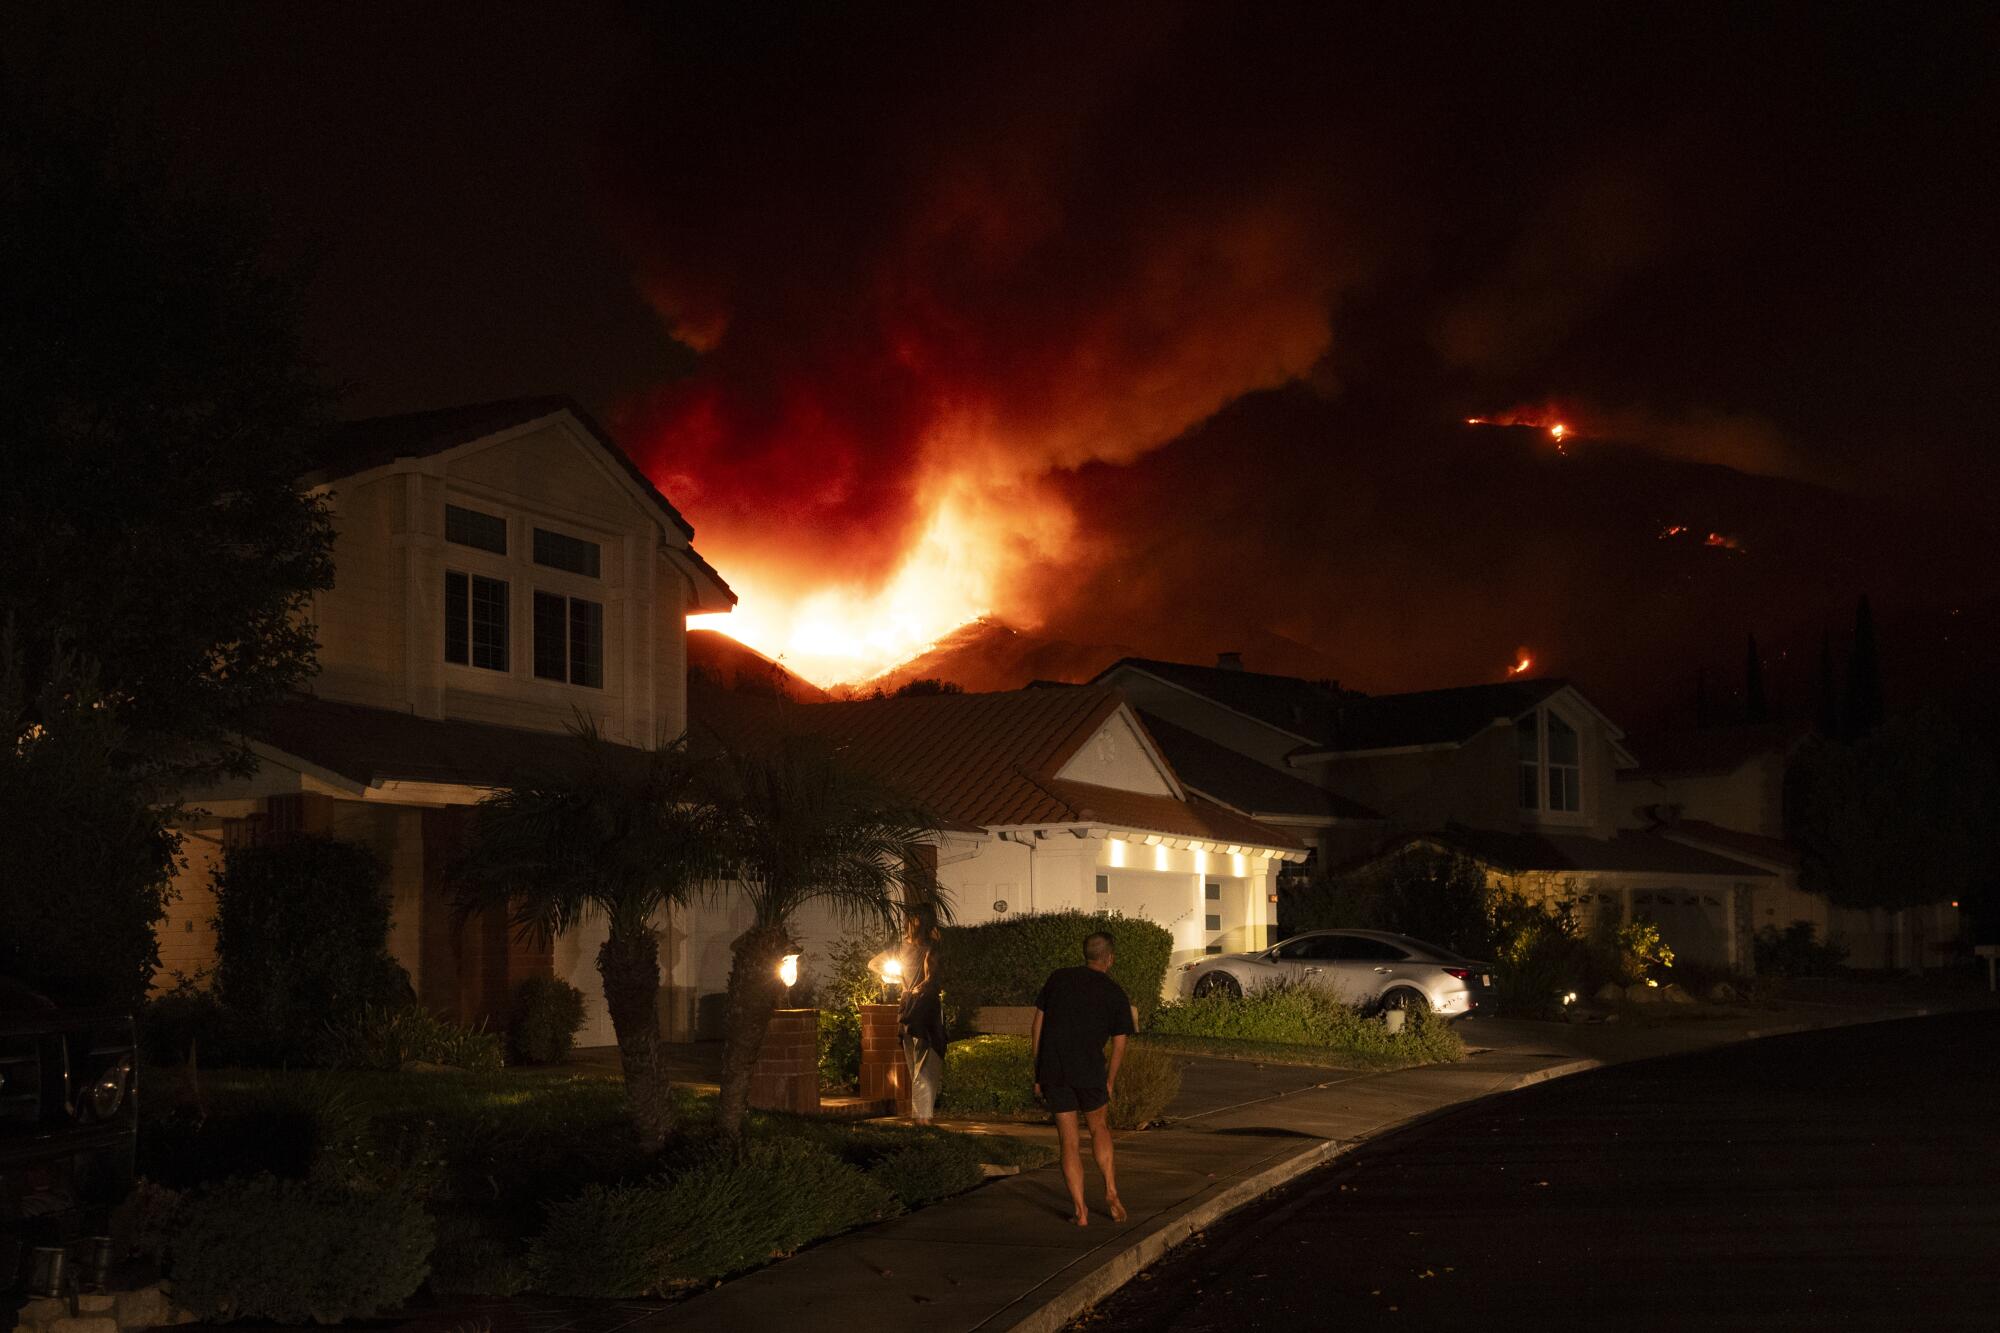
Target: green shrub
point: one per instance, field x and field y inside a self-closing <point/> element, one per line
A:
<point x="1642" y="954"/>
<point x="988" y="1074"/>
<point x="1006" y="961"/>
<point x="1537" y="957"/>
<point x="929" y="1170"/>
<point x="548" y="1012"/>
<point x="1301" y="1015"/>
<point x="839" y="995"/>
<point x="301" y="931"/>
<point x="1435" y="895"/>
<point x="1796" y="951"/>
<point x="187" y="1022"/>
<point x="1148" y="1082"/>
<point x="298" y="1127"/>
<point x="719" y="1214"/>
<point x="294" y="1252"/>
<point x="389" y="1038"/>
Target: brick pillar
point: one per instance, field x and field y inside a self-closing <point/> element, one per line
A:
<point x="786" y="1075"/>
<point x="885" y="1074"/>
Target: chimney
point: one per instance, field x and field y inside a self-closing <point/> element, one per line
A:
<point x="1229" y="661"/>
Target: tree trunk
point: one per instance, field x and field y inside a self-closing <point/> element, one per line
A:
<point x="754" y="990"/>
<point x="630" y="966"/>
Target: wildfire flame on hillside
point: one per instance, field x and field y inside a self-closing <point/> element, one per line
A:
<point x="1537" y="418"/>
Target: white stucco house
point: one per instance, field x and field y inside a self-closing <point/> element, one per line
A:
<point x="1051" y="798"/>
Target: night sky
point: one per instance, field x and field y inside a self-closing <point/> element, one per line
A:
<point x="1176" y="314"/>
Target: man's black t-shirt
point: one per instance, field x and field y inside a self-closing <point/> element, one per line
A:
<point x="1082" y="1009"/>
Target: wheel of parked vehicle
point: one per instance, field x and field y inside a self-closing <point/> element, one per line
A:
<point x="1409" y="1000"/>
<point x="1219" y="983"/>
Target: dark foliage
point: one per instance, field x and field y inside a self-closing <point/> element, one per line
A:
<point x="300" y="931"/>
<point x="548" y="1011"/>
<point x="158" y="402"/>
<point x="929" y="1170"/>
<point x="1005" y="962"/>
<point x="1432" y="894"/>
<point x="929" y="685"/>
<point x="93" y="850"/>
<point x="1796" y="951"/>
<point x="295" y="1252"/>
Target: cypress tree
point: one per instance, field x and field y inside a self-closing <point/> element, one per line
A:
<point x="1828" y="698"/>
<point x="1863" y="710"/>
<point x="1754" y="707"/>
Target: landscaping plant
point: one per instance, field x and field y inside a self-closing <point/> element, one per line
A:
<point x="297" y="1252"/>
<point x="933" y="1168"/>
<point x="803" y="827"/>
<point x="548" y="1012"/>
<point x="1296" y="1014"/>
<point x="606" y="835"/>
<point x="1005" y="962"/>
<point x="392" y="1037"/>
<point x="839" y="995"/>
<point x="1796" y="951"/>
<point x="1148" y="1082"/>
<point x="301" y="930"/>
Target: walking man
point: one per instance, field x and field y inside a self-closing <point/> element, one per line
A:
<point x="1079" y="1009"/>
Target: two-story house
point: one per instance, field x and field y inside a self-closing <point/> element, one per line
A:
<point x="1521" y="775"/>
<point x="499" y="571"/>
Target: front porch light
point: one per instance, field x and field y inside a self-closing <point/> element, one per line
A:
<point x="788" y="970"/>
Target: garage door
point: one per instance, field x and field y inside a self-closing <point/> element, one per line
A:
<point x="1694" y="923"/>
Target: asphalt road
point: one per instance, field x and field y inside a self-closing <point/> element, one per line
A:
<point x="1841" y="1179"/>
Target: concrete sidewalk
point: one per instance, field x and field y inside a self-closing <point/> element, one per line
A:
<point x="1004" y="1256"/>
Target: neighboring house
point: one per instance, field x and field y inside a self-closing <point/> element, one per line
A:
<point x="1522" y="775"/>
<point x="1721" y="789"/>
<point x="1051" y="798"/>
<point x="499" y="571"/>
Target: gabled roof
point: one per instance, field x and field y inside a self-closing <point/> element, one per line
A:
<point x="1713" y="751"/>
<point x="1242" y="783"/>
<point x="371" y="746"/>
<point x="1629" y="852"/>
<point x="1752" y="847"/>
<point x="1300" y="708"/>
<point x="356" y="446"/>
<point x="1435" y="717"/>
<point x="982" y="761"/>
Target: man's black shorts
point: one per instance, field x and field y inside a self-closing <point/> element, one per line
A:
<point x="1075" y="1099"/>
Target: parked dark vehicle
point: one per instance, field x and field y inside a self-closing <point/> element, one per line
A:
<point x="69" y="1121"/>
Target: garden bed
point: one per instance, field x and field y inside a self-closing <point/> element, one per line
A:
<point x="523" y="1180"/>
<point x="1304" y="1023"/>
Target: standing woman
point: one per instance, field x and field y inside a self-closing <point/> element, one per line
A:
<point x="921" y="1022"/>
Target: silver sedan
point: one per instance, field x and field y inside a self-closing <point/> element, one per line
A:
<point x="1369" y="969"/>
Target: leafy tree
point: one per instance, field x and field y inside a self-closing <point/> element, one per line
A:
<point x="1755" y="709"/>
<point x="1861" y="711"/>
<point x="1433" y="894"/>
<point x="612" y="834"/>
<point x="803" y="827"/>
<point x="1898" y="818"/>
<point x="157" y="401"/>
<point x="88" y="877"/>
<point x="929" y="685"/>
<point x="300" y="938"/>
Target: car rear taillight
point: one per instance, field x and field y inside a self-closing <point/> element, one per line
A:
<point x="1462" y="973"/>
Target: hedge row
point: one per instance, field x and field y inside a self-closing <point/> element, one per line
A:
<point x="1005" y="962"/>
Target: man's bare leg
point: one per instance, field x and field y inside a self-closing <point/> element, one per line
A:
<point x="1072" y="1165"/>
<point x="1100" y="1148"/>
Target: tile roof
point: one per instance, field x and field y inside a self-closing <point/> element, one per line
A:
<point x="1730" y="842"/>
<point x="1341" y="720"/>
<point x="1712" y="751"/>
<point x="355" y="446"/>
<point x="375" y="745"/>
<point x="981" y="761"/>
<point x="1629" y="852"/>
<point x="1242" y="783"/>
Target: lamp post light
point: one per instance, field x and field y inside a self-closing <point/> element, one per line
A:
<point x="892" y="977"/>
<point x="788" y="972"/>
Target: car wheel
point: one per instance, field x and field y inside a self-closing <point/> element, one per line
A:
<point x="1218" y="983"/>
<point x="1409" y="1000"/>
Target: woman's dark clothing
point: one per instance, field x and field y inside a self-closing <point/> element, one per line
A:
<point x="922" y="1016"/>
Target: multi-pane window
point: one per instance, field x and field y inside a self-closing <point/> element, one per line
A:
<point x="569" y="639"/>
<point x="573" y="554"/>
<point x="1529" y="738"/>
<point x="1565" y="766"/>
<point x="475" y="621"/>
<point x="469" y="527"/>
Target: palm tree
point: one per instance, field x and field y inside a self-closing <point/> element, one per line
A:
<point x="615" y="833"/>
<point x="805" y="827"/>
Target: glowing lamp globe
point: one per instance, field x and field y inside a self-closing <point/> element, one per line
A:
<point x="788" y="971"/>
<point x="892" y="971"/>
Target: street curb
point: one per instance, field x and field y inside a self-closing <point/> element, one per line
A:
<point x="1065" y="1305"/>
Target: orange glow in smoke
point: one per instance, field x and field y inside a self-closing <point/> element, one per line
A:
<point x="1520" y="668"/>
<point x="1726" y="543"/>
<point x="1672" y="530"/>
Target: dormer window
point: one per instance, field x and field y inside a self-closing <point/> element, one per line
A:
<point x="1550" y="763"/>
